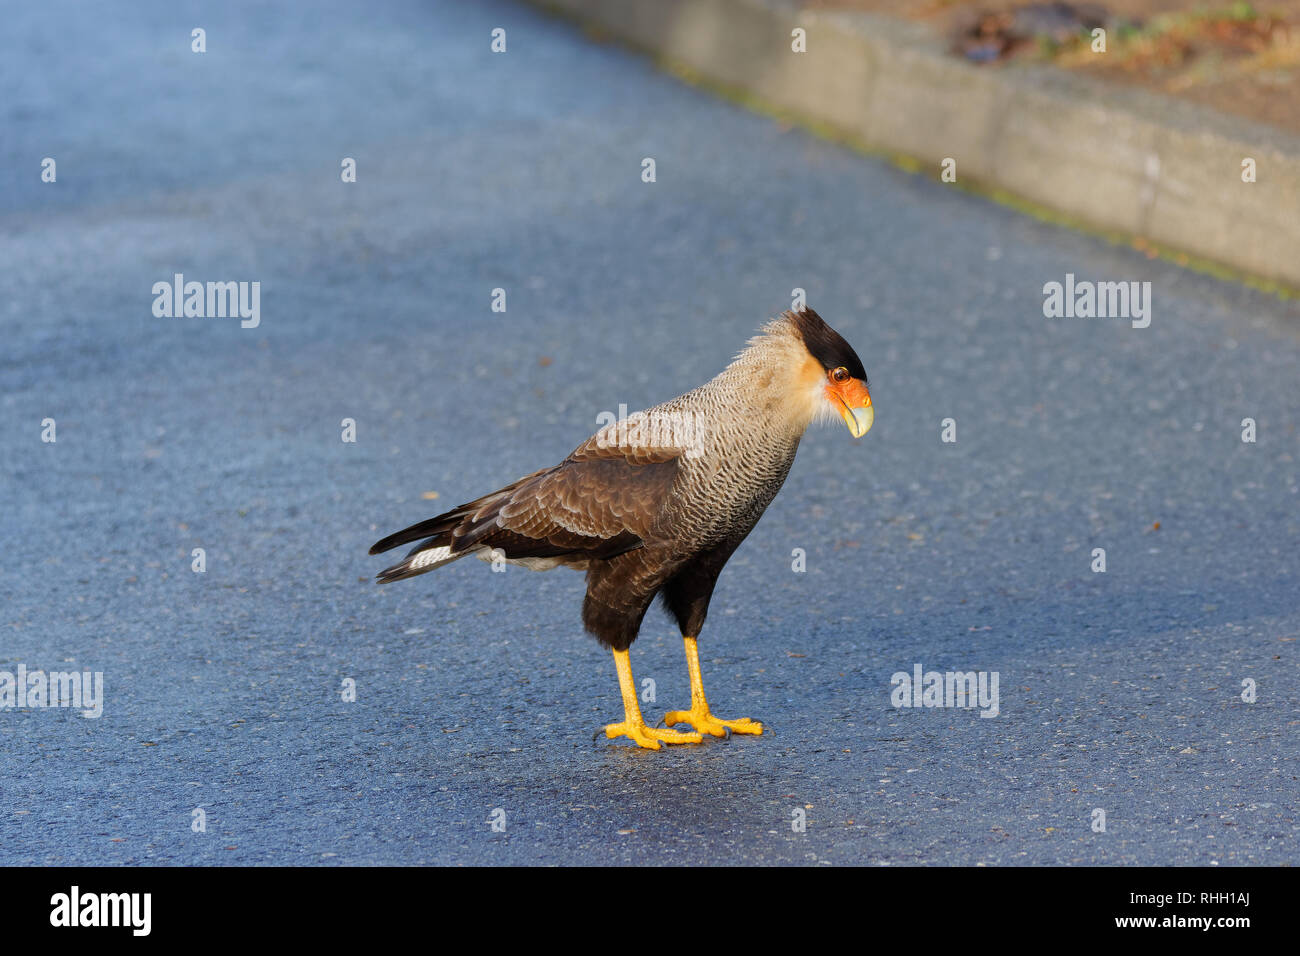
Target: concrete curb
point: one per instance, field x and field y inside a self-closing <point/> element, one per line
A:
<point x="1118" y="159"/>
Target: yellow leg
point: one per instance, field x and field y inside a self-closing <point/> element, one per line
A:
<point x="632" y="725"/>
<point x="698" y="716"/>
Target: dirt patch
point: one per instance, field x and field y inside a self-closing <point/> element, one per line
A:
<point x="1239" y="58"/>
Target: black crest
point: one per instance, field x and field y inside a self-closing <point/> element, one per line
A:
<point x="825" y="344"/>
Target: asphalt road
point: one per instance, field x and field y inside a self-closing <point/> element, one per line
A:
<point x="477" y="691"/>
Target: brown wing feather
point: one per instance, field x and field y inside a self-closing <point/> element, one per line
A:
<point x="603" y="500"/>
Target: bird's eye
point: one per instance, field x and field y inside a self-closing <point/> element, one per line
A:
<point x="840" y="375"/>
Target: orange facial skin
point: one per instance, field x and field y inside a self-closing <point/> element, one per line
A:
<point x="852" y="393"/>
<point x="854" y="400"/>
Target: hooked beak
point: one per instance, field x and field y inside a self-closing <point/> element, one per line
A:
<point x="855" y="405"/>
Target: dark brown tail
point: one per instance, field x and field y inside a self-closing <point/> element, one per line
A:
<point x="457" y="532"/>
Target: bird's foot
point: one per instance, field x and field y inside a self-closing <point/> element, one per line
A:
<point x="649" y="737"/>
<point x="706" y="723"/>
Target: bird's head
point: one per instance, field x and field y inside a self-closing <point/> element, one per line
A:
<point x="831" y="375"/>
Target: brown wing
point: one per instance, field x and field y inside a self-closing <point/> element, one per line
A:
<point x="601" y="501"/>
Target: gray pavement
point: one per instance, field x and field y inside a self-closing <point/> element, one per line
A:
<point x="478" y="691"/>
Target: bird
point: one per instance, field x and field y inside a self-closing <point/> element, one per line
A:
<point x="655" y="503"/>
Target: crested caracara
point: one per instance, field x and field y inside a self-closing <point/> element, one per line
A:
<point x="656" y="503"/>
